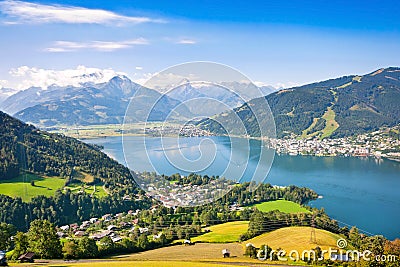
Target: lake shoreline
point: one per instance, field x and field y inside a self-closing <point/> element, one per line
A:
<point x="342" y="181"/>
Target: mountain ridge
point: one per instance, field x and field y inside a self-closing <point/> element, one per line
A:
<point x="333" y="108"/>
<point x="107" y="102"/>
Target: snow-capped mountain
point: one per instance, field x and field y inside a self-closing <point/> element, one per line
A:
<point x="90" y="103"/>
<point x="6" y="93"/>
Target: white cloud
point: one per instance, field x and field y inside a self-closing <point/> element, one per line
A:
<point x="138" y="68"/>
<point x="286" y="85"/>
<point x="25" y="77"/>
<point x="186" y="41"/>
<point x="3" y="83"/>
<point x="142" y="78"/>
<point x="67" y="46"/>
<point x="26" y="12"/>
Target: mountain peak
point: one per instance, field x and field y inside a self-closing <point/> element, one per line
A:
<point x="120" y="77"/>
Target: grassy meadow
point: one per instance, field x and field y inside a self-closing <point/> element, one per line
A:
<point x="224" y="233"/>
<point x="44" y="185"/>
<point x="281" y="205"/>
<point x="21" y="186"/>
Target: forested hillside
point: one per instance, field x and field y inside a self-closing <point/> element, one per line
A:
<point x="23" y="148"/>
<point x="334" y="108"/>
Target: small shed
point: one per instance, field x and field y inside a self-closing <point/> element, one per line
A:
<point x="27" y="257"/>
<point x="187" y="242"/>
<point x="226" y="253"/>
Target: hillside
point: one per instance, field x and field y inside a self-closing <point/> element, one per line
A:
<point x="333" y="108"/>
<point x="27" y="149"/>
<point x="53" y="161"/>
<point x="295" y="238"/>
<point x="289" y="238"/>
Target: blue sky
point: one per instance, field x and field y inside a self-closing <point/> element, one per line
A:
<point x="282" y="43"/>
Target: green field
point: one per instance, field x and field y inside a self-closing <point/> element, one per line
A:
<point x="224" y="233"/>
<point x="296" y="238"/>
<point x="281" y="205"/>
<point x="21" y="186"/>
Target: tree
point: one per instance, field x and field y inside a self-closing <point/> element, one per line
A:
<point x="162" y="240"/>
<point x="264" y="252"/>
<point x="43" y="240"/>
<point x="143" y="242"/>
<point x="20" y="245"/>
<point x="250" y="251"/>
<point x="88" y="248"/>
<point x="355" y="237"/>
<point x="318" y="253"/>
<point x="106" y="245"/>
<point x="6" y="231"/>
<point x="70" y="250"/>
<point x="257" y="222"/>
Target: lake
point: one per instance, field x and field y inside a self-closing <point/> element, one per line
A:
<point x="356" y="191"/>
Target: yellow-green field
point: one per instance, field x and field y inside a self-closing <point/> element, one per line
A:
<point x="224" y="233"/>
<point x="119" y="263"/>
<point x="143" y="264"/>
<point x="331" y="123"/>
<point x="197" y="252"/>
<point x="296" y="238"/>
<point x="21" y="186"/>
<point x="281" y="205"/>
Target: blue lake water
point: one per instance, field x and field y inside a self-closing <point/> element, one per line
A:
<point x="356" y="191"/>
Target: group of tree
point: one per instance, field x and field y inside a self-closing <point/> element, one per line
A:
<point x="64" y="208"/>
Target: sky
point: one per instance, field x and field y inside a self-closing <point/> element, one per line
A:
<point x="279" y="43"/>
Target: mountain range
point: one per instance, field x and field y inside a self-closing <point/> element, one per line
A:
<point x="334" y="108"/>
<point x="106" y="103"/>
